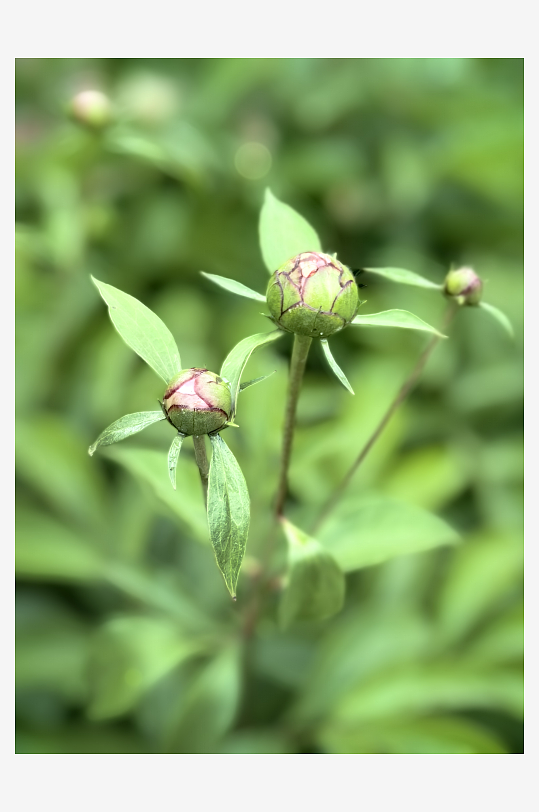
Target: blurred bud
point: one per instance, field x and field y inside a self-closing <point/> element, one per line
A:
<point x="91" y="107"/>
<point x="464" y="285"/>
<point x="313" y="295"/>
<point x="198" y="402"/>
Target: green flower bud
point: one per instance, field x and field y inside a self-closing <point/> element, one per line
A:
<point x="198" y="402"/>
<point x="313" y="295"/>
<point x="464" y="286"/>
<point x="91" y="107"/>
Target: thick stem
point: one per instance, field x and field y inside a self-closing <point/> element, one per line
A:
<point x="401" y="395"/>
<point x="297" y="367"/>
<point x="199" y="441"/>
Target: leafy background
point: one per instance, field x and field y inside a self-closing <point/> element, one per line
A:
<point x="127" y="641"/>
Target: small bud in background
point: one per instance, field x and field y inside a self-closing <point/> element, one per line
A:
<point x="198" y="402"/>
<point x="464" y="286"/>
<point x="91" y="107"/>
<point x="313" y="294"/>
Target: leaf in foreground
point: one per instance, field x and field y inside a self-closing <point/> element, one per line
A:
<point x="145" y="333"/>
<point x="124" y="427"/>
<point x="283" y="233"/>
<point x="228" y="511"/>
<point x="237" y="358"/>
<point x="334" y="365"/>
<point x="234" y="287"/>
<point x="316" y="584"/>
<point x="173" y="454"/>
<point x="404" y="277"/>
<point x="396" y="318"/>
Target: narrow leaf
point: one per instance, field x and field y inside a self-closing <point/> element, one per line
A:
<point x="499" y="316"/>
<point x="396" y="318"/>
<point x="247" y="384"/>
<point x="404" y="277"/>
<point x="173" y="455"/>
<point x="228" y="511"/>
<point x="315" y="588"/>
<point x="370" y="529"/>
<point x="142" y="330"/>
<point x="234" y="287"/>
<point x="335" y="367"/>
<point x="124" y="427"/>
<point x="283" y="233"/>
<point x="237" y="358"/>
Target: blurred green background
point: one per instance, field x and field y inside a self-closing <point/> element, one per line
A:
<point x="127" y="641"/>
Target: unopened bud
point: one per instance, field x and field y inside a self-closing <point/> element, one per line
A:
<point x="313" y="295"/>
<point x="91" y="107"/>
<point x="198" y="402"/>
<point x="464" y="286"/>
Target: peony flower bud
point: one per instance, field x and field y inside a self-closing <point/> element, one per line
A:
<point x="91" y="107"/>
<point x="313" y="295"/>
<point x="464" y="286"/>
<point x="198" y="402"/>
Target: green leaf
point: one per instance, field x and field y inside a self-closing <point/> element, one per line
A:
<point x="234" y="287"/>
<point x="142" y="330"/>
<point x="148" y="466"/>
<point x="237" y="358"/>
<point x="228" y="511"/>
<point x="404" y="277"/>
<point x="372" y="528"/>
<point x="499" y="316"/>
<point x="173" y="454"/>
<point x="316" y="585"/>
<point x="247" y="384"/>
<point x="283" y="233"/>
<point x="124" y="427"/>
<point x="334" y="365"/>
<point x="396" y="318"/>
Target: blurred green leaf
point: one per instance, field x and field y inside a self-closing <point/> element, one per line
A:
<point x="283" y="233"/>
<point x="173" y="454"/>
<point x="334" y="366"/>
<point x="142" y="330"/>
<point x="404" y="277"/>
<point x="150" y="467"/>
<point x="370" y="529"/>
<point x="396" y="318"/>
<point x="236" y="360"/>
<point x="228" y="511"/>
<point x="314" y="583"/>
<point x="500" y="317"/>
<point x="124" y="427"/>
<point x="234" y="287"/>
<point x="129" y="654"/>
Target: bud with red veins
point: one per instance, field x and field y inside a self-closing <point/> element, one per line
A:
<point x="313" y="294"/>
<point x="198" y="402"/>
<point x="464" y="286"/>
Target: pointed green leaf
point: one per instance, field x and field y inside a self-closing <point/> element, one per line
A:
<point x="404" y="277"/>
<point x="173" y="455"/>
<point x="370" y="529"/>
<point x="315" y="588"/>
<point x="228" y="511"/>
<point x="142" y="330"/>
<point x="247" y="384"/>
<point x="234" y="287"/>
<point x="283" y="233"/>
<point x="499" y="316"/>
<point x="237" y="358"/>
<point x="396" y="318"/>
<point x="334" y="366"/>
<point x="124" y="427"/>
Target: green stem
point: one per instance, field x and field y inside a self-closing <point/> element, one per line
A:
<point x="401" y="395"/>
<point x="201" y="457"/>
<point x="297" y="367"/>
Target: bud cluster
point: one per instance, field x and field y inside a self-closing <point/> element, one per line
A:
<point x="198" y="402"/>
<point x="464" y="286"/>
<point x="313" y="294"/>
